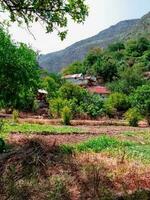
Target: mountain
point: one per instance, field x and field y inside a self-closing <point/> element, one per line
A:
<point x="54" y="62"/>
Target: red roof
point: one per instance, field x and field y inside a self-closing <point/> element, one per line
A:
<point x="98" y="90"/>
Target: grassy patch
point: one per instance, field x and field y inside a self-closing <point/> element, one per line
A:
<point x="37" y="128"/>
<point x="112" y="145"/>
<point x="96" y="145"/>
<point x="139" y="137"/>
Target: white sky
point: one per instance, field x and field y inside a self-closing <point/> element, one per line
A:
<point x="103" y="13"/>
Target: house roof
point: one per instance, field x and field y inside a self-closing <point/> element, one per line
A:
<point x="73" y="76"/>
<point x="98" y="90"/>
<point x="42" y="91"/>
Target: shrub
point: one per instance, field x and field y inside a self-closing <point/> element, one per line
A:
<point x="141" y="100"/>
<point x="71" y="91"/>
<point x="66" y="115"/>
<point x="57" y="104"/>
<point x="133" y="116"/>
<point x="93" y="106"/>
<point x="15" y="116"/>
<point x="55" y="107"/>
<point x="116" y="102"/>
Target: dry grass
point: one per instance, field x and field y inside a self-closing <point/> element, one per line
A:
<point x="37" y="171"/>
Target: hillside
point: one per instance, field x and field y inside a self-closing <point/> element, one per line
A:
<point x="123" y="30"/>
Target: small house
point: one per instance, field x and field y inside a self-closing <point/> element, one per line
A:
<point x="101" y="90"/>
<point x="80" y="79"/>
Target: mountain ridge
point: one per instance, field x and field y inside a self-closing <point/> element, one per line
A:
<point x="123" y="30"/>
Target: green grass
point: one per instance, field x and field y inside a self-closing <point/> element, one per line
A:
<point x="27" y="128"/>
<point x="97" y="145"/>
<point x="139" y="137"/>
<point x="112" y="145"/>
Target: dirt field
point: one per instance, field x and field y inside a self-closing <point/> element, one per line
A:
<point x="34" y="168"/>
<point x="87" y="132"/>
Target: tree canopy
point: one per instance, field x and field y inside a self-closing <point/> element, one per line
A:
<point x="19" y="73"/>
<point x="53" y="14"/>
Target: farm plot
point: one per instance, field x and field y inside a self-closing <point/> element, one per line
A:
<point x="73" y="163"/>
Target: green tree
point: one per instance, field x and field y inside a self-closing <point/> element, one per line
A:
<point x="75" y="68"/>
<point x="116" y="46"/>
<point x="92" y="57"/>
<point x="133" y="116"/>
<point x="136" y="48"/>
<point x="49" y="84"/>
<point x="54" y="14"/>
<point x="93" y="105"/>
<point x="106" y="67"/>
<point x="19" y="75"/>
<point x="140" y="99"/>
<point x="129" y="79"/>
<point x="116" y="102"/>
<point x="71" y="91"/>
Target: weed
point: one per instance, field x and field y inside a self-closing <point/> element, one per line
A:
<point x="58" y="189"/>
<point x="66" y="115"/>
<point x="15" y="116"/>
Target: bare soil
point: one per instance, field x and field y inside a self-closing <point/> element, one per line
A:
<point x="33" y="167"/>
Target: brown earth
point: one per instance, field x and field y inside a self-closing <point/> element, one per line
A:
<point x="36" y="170"/>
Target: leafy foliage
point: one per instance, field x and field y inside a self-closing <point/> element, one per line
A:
<point x="66" y="115"/>
<point x="140" y="99"/>
<point x="133" y="116"/>
<point x="71" y="91"/>
<point x="15" y="116"/>
<point x="74" y="68"/>
<point x="116" y="102"/>
<point x="53" y="13"/>
<point x="19" y="74"/>
<point x="93" y="106"/>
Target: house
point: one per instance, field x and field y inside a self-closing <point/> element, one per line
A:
<point x="101" y="90"/>
<point x="80" y="79"/>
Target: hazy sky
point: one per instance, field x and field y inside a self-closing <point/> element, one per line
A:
<point x="103" y="13"/>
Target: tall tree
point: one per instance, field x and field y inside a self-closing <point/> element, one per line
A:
<point x="54" y="14"/>
<point x="18" y="73"/>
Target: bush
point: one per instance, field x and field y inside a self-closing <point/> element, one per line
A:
<point x="57" y="104"/>
<point x="93" y="106"/>
<point x="66" y="115"/>
<point x="141" y="100"/>
<point x="133" y="116"/>
<point x="71" y="91"/>
<point x="15" y="116"/>
<point x="116" y="102"/>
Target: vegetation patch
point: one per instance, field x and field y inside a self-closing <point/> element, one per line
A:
<point x="37" y="128"/>
<point x="114" y="146"/>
